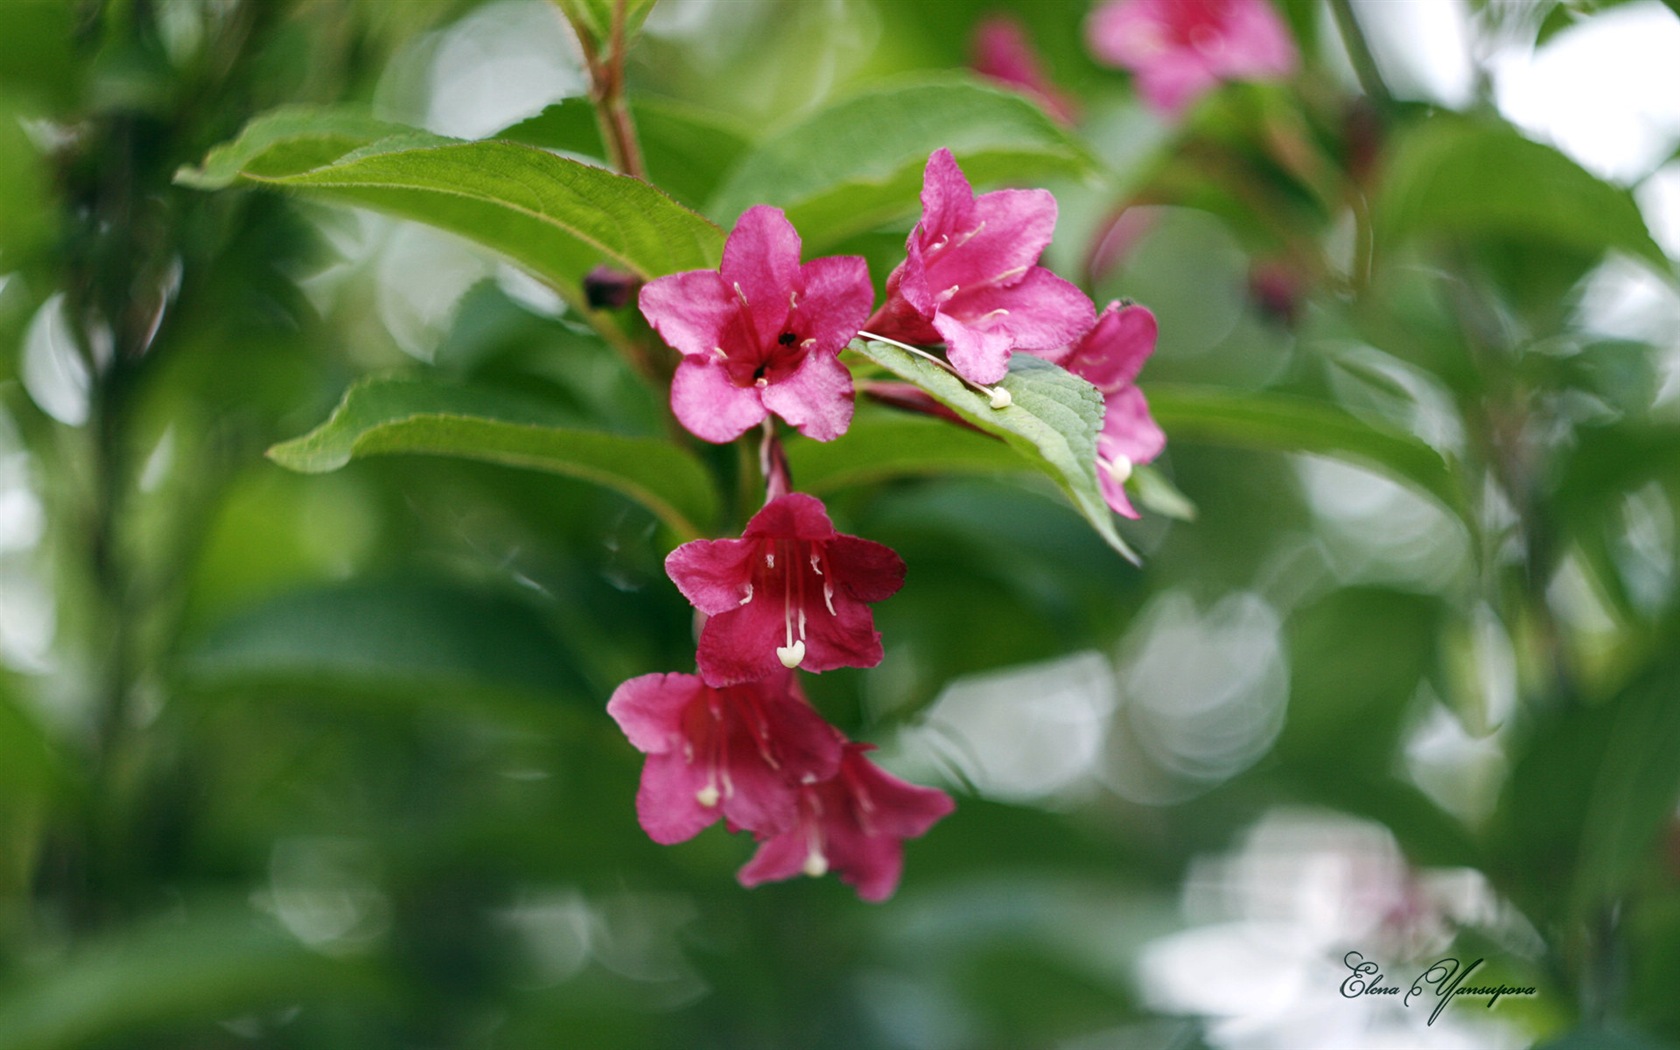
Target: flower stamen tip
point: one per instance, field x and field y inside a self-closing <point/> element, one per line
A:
<point x="816" y="865"/>
<point x="1120" y="469"/>
<point x="707" y="796"/>
<point x="791" y="656"/>
<point x="1001" y="398"/>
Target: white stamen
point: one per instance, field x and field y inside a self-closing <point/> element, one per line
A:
<point x="748" y="598"/>
<point x="1009" y="274"/>
<point x="828" y="597"/>
<point x="802" y="623"/>
<point x="728" y="784"/>
<point x="1001" y="398"/>
<point x="999" y="312"/>
<point x="707" y="796"/>
<point x="1120" y="469"/>
<point x="761" y="382"/>
<point x="971" y="234"/>
<point x="769" y="560"/>
<point x="814" y="566"/>
<point x="793" y="300"/>
<point x="807" y="344"/>
<point x="816" y="865"/>
<point x="791" y="656"/>
<point x="740" y="293"/>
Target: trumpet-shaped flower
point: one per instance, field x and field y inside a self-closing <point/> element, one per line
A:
<point x="971" y="277"/>
<point x="854" y="824"/>
<point x="762" y="334"/>
<point x="1182" y="49"/>
<point x="738" y="752"/>
<point x="1109" y="356"/>
<point x="791" y="592"/>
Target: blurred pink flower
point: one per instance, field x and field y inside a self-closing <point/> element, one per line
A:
<point x="971" y="279"/>
<point x="1109" y="356"/>
<point x="1002" y="52"/>
<point x="738" y="752"/>
<point x="855" y="824"/>
<point x="1182" y="49"/>
<point x="791" y="592"/>
<point x="762" y="334"/>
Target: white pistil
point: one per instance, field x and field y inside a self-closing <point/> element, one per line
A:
<point x="707" y="796"/>
<point x="791" y="656"/>
<point x="816" y="865"/>
<point x="748" y="597"/>
<point x="1120" y="469"/>
<point x="1001" y="398"/>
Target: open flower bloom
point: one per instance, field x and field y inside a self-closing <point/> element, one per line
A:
<point x="738" y="752"/>
<point x="1109" y="356"/>
<point x="791" y="592"/>
<point x="971" y="277"/>
<point x="762" y="333"/>
<point x="855" y="824"/>
<point x="1002" y="52"/>
<point x="1182" y="49"/>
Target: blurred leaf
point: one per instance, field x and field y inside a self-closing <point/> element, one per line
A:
<point x="286" y="140"/>
<point x="687" y="149"/>
<point x="596" y="16"/>
<point x="858" y="163"/>
<point x="397" y="634"/>
<point x="389" y="415"/>
<point x="879" y="447"/>
<point x="1458" y="178"/>
<point x="1158" y="495"/>
<point x="1053" y="421"/>
<point x="1295" y="424"/>
<point x="1604" y="1037"/>
<point x="557" y="217"/>
<point x="216" y="963"/>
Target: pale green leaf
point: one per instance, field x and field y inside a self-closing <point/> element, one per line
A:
<point x="1053" y="421"/>
<point x="858" y="163"/>
<point x="392" y="415"/>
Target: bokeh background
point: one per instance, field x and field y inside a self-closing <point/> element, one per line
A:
<point x="322" y="761"/>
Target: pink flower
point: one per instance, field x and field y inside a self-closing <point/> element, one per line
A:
<point x="1002" y="52"/>
<point x="762" y="334"/>
<point x="738" y="752"/>
<point x="790" y="592"/>
<point x="1109" y="356"/>
<point x="971" y="278"/>
<point x="1182" y="49"/>
<point x="855" y="824"/>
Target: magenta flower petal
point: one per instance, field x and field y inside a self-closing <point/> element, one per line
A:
<point x="854" y="824"/>
<point x="790" y="592"/>
<point x="1003" y="53"/>
<point x="1129" y="428"/>
<point x="1109" y="356"/>
<point x="738" y="753"/>
<point x="762" y="333"/>
<point x="816" y="399"/>
<point x="712" y="406"/>
<point x="1180" y="49"/>
<point x="970" y="275"/>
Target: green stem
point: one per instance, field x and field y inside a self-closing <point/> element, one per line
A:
<point x="1359" y="53"/>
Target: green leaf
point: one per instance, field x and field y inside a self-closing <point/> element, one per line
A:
<point x="1295" y="424"/>
<point x="1157" y="494"/>
<point x="217" y="962"/>
<point x="394" y="635"/>
<point x="595" y="17"/>
<point x="1053" y="421"/>
<point x="858" y="163"/>
<point x="879" y="446"/>
<point x="557" y="217"/>
<point x="687" y="150"/>
<point x="1463" y="179"/>
<point x="391" y="415"/>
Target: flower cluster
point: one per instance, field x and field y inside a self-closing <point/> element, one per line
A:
<point x="1180" y="50"/>
<point x="760" y="337"/>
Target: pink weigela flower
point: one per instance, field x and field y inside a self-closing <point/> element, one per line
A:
<point x="1109" y="356"/>
<point x="1002" y="52"/>
<point x="1181" y="49"/>
<point x="738" y="752"/>
<point x="762" y="334"/>
<point x="790" y="592"/>
<point x="971" y="277"/>
<point x="855" y="824"/>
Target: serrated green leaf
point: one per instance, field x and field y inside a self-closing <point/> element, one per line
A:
<point x="858" y="163"/>
<point x="1296" y="424"/>
<point x="1460" y="178"/>
<point x="393" y="415"/>
<point x="1053" y="421"/>
<point x="557" y="217"/>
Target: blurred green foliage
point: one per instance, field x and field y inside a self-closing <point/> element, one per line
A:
<point x="321" y="761"/>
